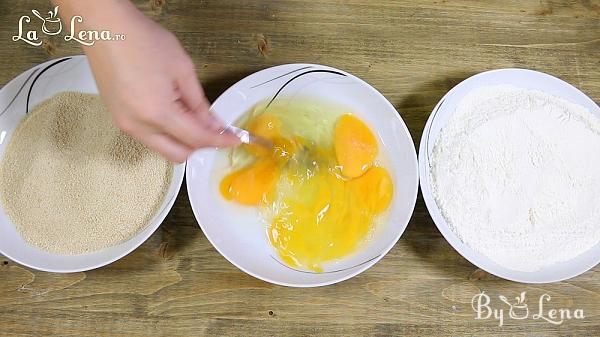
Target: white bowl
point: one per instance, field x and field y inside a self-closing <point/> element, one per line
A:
<point x="35" y="85"/>
<point x="528" y="79"/>
<point x="238" y="233"/>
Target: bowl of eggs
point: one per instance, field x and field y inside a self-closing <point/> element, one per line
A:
<point x="327" y="199"/>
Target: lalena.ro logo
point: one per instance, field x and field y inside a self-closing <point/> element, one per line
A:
<point x="52" y="25"/>
<point x="519" y="310"/>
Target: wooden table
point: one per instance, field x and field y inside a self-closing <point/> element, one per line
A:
<point x="413" y="52"/>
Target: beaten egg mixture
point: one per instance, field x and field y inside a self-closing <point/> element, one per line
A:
<point x="322" y="194"/>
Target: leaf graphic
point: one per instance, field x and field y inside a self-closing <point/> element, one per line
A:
<point x="36" y="13"/>
<point x="523" y="296"/>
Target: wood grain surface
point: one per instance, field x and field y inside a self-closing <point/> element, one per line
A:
<point x="176" y="284"/>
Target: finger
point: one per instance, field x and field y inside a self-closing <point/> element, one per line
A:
<point x="190" y="90"/>
<point x="190" y="130"/>
<point x="167" y="146"/>
<point x="193" y="98"/>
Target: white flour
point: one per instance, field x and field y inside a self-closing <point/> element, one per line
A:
<point x="516" y="174"/>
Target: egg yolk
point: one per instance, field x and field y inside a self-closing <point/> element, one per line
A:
<point x="373" y="190"/>
<point x="355" y="146"/>
<point x="251" y="185"/>
<point x="318" y="215"/>
<point x="269" y="127"/>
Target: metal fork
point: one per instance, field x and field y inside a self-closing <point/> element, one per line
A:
<point x="246" y="137"/>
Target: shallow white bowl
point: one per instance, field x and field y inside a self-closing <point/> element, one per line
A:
<point x="439" y="117"/>
<point x="16" y="98"/>
<point x="238" y="233"/>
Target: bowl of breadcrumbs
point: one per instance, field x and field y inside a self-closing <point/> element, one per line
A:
<point x="76" y="193"/>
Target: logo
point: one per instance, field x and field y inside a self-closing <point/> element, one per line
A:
<point x="52" y="25"/>
<point x="519" y="310"/>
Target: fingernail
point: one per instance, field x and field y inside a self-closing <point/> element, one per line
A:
<point x="232" y="142"/>
<point x="235" y="140"/>
<point x="214" y="123"/>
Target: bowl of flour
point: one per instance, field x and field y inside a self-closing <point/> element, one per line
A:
<point x="76" y="193"/>
<point x="509" y="167"/>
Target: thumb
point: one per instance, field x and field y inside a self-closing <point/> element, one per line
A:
<point x="191" y="93"/>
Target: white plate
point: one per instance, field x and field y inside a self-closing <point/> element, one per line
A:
<point x="35" y="85"/>
<point x="237" y="232"/>
<point x="439" y="117"/>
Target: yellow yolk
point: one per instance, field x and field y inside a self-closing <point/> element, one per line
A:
<point x="373" y="190"/>
<point x="252" y="184"/>
<point x="317" y="214"/>
<point x="309" y="229"/>
<point x="355" y="146"/>
<point x="326" y="217"/>
<point x="265" y="126"/>
<point x="269" y="127"/>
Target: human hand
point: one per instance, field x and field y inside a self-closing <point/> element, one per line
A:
<point x="149" y="85"/>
